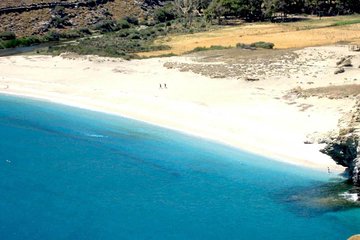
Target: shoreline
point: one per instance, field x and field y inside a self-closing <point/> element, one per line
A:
<point x="271" y="157"/>
<point x="264" y="124"/>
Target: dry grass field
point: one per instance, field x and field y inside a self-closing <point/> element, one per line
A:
<point x="309" y="32"/>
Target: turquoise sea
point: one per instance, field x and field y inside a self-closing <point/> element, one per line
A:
<point x="67" y="173"/>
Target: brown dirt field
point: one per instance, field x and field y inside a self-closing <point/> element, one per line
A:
<point x="283" y="35"/>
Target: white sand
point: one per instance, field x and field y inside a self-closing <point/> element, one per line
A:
<point x="251" y="116"/>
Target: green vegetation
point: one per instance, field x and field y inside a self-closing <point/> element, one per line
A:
<point x="253" y="46"/>
<point x="255" y="10"/>
<point x="265" y="45"/>
<point x="122" y="38"/>
<point x="346" y="22"/>
<point x="10" y="40"/>
<point x="7" y="36"/>
<point x="124" y="42"/>
<point x="125" y="37"/>
<point x="165" y="14"/>
<point x="214" y="47"/>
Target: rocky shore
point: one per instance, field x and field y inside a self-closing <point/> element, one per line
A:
<point x="330" y="73"/>
<point x="344" y="147"/>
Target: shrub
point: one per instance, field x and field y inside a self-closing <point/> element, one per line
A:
<point x="252" y="46"/>
<point x="213" y="47"/>
<point x="7" y="36"/>
<point x="25" y="41"/>
<point x="123" y="24"/>
<point x="107" y="26"/>
<point x="85" y="31"/>
<point x="148" y="33"/>
<point x="132" y="20"/>
<point x="52" y="36"/>
<point x="266" y="45"/>
<point x="71" y="34"/>
<point x="135" y="35"/>
<point x="165" y="13"/>
<point x="245" y="46"/>
<point x="123" y="33"/>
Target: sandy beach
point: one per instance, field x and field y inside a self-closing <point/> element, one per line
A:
<point x="257" y="116"/>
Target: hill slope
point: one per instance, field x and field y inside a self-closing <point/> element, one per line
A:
<point x="28" y="17"/>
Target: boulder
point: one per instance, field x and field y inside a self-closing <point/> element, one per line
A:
<point x="346" y="63"/>
<point x="340" y="61"/>
<point x="345" y="151"/>
<point x="339" y="70"/>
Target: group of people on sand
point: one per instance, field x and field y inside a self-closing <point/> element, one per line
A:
<point x="163" y="86"/>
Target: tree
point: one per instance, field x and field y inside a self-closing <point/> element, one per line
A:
<point x="215" y="10"/>
<point x="247" y="9"/>
<point x="186" y="8"/>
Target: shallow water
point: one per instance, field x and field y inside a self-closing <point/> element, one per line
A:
<point x="75" y="174"/>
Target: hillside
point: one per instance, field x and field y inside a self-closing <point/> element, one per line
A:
<point x="29" y="17"/>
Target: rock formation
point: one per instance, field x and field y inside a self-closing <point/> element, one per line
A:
<point x="339" y="70"/>
<point x="345" y="151"/>
<point x="344" y="148"/>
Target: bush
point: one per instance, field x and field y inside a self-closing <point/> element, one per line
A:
<point x="124" y="33"/>
<point x="52" y="36"/>
<point x="71" y="34"/>
<point x="25" y="41"/>
<point x="132" y="20"/>
<point x="266" y="45"/>
<point x="245" y="46"/>
<point x="107" y="26"/>
<point x="123" y="24"/>
<point x="7" y="36"/>
<point x="213" y="47"/>
<point x="85" y="31"/>
<point x="252" y="46"/>
<point x="165" y="13"/>
<point x="135" y="35"/>
<point x="148" y="33"/>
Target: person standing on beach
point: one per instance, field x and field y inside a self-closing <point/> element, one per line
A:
<point x="165" y="85"/>
<point x="160" y="86"/>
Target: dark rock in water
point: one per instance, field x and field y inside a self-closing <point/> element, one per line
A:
<point x="320" y="198"/>
<point x="345" y="151"/>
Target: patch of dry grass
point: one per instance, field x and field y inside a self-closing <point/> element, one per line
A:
<point x="312" y="32"/>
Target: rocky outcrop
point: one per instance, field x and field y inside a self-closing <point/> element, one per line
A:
<point x="37" y="6"/>
<point x="344" y="148"/>
<point x="345" y="151"/>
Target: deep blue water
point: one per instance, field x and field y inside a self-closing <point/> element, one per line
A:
<point x="67" y="173"/>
